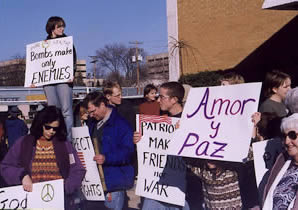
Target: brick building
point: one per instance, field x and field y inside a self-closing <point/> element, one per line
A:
<point x="224" y="34"/>
<point x="158" y="68"/>
<point x="12" y="72"/>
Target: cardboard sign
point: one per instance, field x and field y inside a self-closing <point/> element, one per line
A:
<point x="265" y="154"/>
<point x="216" y="122"/>
<point x="160" y="176"/>
<point x="49" y="62"/>
<point x="91" y="184"/>
<point x="45" y="195"/>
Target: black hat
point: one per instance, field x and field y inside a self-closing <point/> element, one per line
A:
<point x="15" y="111"/>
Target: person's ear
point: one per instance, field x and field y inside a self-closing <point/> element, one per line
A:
<point x="108" y="96"/>
<point x="274" y="90"/>
<point x="175" y="99"/>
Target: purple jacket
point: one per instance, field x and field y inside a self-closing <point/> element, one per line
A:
<point x="280" y="161"/>
<point x="12" y="167"/>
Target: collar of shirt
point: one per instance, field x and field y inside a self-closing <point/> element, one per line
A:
<point x="101" y="122"/>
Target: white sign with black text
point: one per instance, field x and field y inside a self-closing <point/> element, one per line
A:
<point x="49" y="62"/>
<point x="91" y="184"/>
<point x="45" y="195"/>
<point x="160" y="176"/>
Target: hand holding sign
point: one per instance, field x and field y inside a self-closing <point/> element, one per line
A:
<point x="27" y="183"/>
<point x="136" y="137"/>
<point x="100" y="159"/>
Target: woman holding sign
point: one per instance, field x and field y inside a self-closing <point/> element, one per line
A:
<point x="44" y="155"/>
<point x="60" y="95"/>
<point x="281" y="189"/>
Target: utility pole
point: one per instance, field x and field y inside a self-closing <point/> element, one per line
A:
<point x="137" y="61"/>
<point x="180" y="46"/>
<point x="94" y="60"/>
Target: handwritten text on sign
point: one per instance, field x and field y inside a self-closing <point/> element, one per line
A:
<point x="160" y="176"/>
<point x="45" y="195"/>
<point x="91" y="185"/>
<point x="49" y="62"/>
<point x="216" y="122"/>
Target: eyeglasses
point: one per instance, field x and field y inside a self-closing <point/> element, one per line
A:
<point x="48" y="127"/>
<point x="118" y="96"/>
<point x="162" y="97"/>
<point x="291" y="134"/>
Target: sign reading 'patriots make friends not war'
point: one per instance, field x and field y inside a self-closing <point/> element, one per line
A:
<point x="160" y="176"/>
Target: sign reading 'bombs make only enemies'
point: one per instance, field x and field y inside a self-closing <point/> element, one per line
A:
<point x="49" y="62"/>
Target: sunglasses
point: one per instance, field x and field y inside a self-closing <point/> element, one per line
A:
<point x="291" y="134"/>
<point x="47" y="127"/>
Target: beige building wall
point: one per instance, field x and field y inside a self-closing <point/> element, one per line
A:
<point x="219" y="34"/>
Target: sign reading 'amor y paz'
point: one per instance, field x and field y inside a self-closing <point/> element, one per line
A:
<point x="160" y="176"/>
<point x="216" y="122"/>
<point x="91" y="184"/>
<point x="49" y="62"/>
<point x="44" y="195"/>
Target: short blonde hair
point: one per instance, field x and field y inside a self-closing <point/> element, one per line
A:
<point x="108" y="88"/>
<point x="232" y="78"/>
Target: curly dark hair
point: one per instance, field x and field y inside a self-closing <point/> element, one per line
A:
<point x="48" y="115"/>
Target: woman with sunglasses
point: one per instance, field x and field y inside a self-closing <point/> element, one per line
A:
<point x="281" y="188"/>
<point x="44" y="155"/>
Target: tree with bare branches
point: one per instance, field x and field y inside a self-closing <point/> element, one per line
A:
<point x="116" y="61"/>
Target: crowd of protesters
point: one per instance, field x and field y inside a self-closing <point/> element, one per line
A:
<point x="44" y="152"/>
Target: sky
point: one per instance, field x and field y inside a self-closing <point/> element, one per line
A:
<point x="92" y="23"/>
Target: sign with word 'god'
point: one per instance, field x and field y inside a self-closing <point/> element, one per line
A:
<point x="160" y="176"/>
<point x="49" y="62"/>
<point x="216" y="122"/>
<point x="44" y="195"/>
